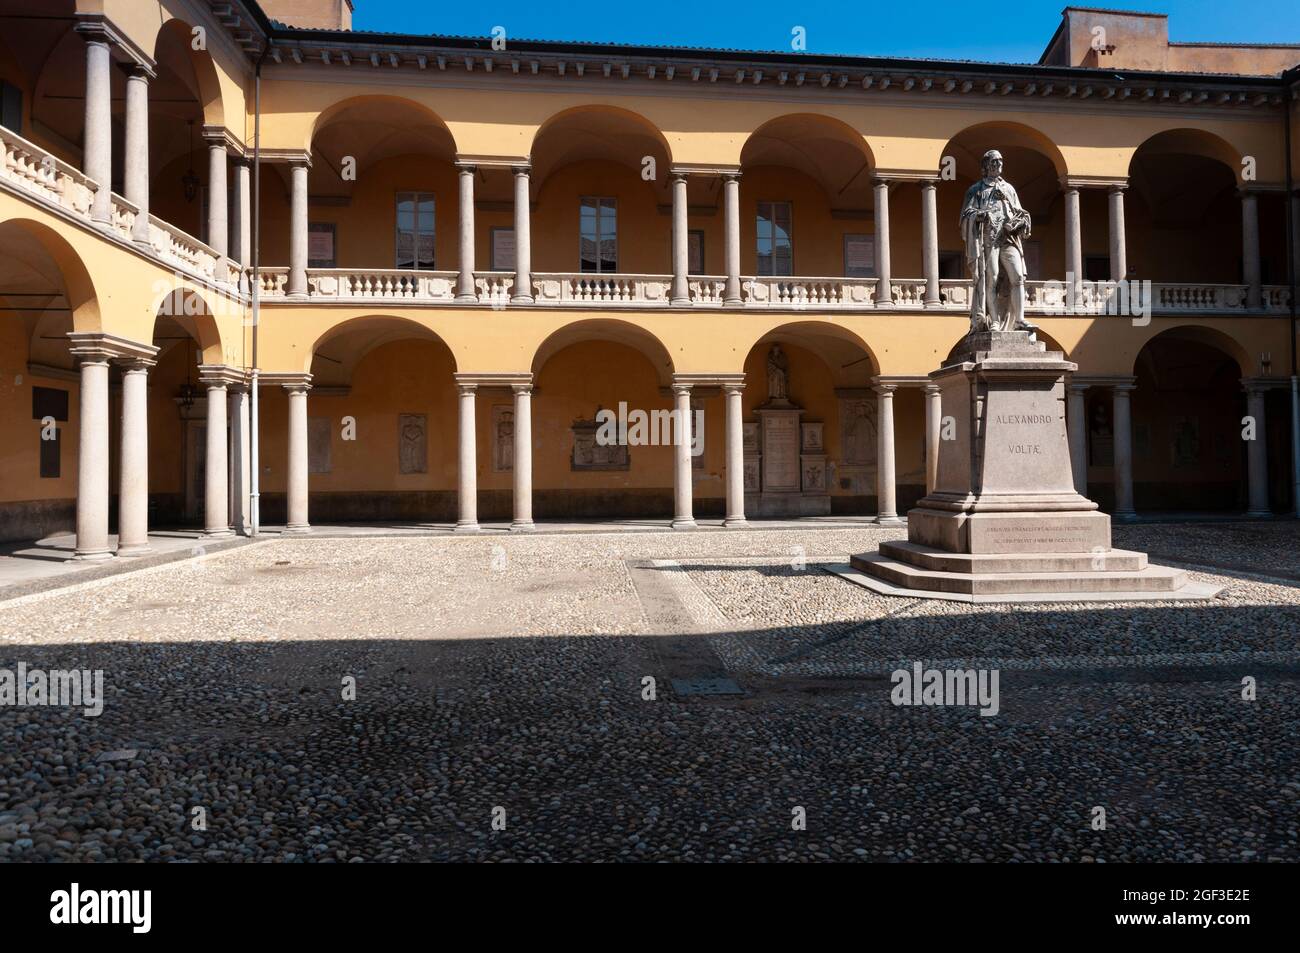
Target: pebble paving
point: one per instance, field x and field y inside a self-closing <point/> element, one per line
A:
<point x="505" y="678"/>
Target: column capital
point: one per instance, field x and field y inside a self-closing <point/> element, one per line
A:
<point x="221" y="136"/>
<point x="522" y="388"/>
<point x="524" y="170"/>
<point x="466" y="168"/>
<point x="98" y="28"/>
<point x="932" y="388"/>
<point x="96" y="346"/>
<point x="678" y="175"/>
<point x="492" y="378"/>
<point x="135" y="364"/>
<point x="290" y="157"/>
<point x="884" y="389"/>
<point x="465" y="388"/>
<point x="221" y="375"/>
<point x="291" y="381"/>
<point x="144" y="71"/>
<point x="681" y="389"/>
<point x="1259" y="385"/>
<point x="1111" y="182"/>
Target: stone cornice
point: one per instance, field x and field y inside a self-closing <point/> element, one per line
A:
<point x="710" y="379"/>
<point x="493" y="378"/>
<point x="283" y="379"/>
<point x="290" y="156"/>
<point x="98" y="345"/>
<point x="215" y="135"/>
<point x="97" y="26"/>
<point x="222" y="374"/>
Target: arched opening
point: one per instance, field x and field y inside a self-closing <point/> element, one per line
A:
<point x="44" y="61"/>
<point x="601" y="190"/>
<point x="1034" y="166"/>
<point x="1187" y="408"/>
<point x="810" y="419"/>
<point x="806" y="201"/>
<point x="382" y="190"/>
<point x="45" y="293"/>
<point x="1183" y="215"/>
<point x="381" y="426"/>
<point x="593" y="366"/>
<point x="183" y="99"/>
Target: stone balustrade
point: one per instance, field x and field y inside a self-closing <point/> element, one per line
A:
<point x="33" y="172"/>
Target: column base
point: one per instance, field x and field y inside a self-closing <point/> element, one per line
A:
<point x="297" y="529"/>
<point x="684" y="524"/>
<point x="91" y="555"/>
<point x="523" y="526"/>
<point x="1126" y="517"/>
<point x="1258" y="514"/>
<point x="733" y="302"/>
<point x="468" y="528"/>
<point x="885" y="305"/>
<point x="890" y="520"/>
<point x="467" y="298"/>
<point x="218" y="533"/>
<point x="933" y="304"/>
<point x="680" y="302"/>
<point x="134" y="549"/>
<point x="296" y="296"/>
<point x="735" y="522"/>
<point x="522" y="299"/>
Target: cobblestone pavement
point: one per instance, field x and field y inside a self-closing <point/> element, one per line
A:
<point x="505" y="678"/>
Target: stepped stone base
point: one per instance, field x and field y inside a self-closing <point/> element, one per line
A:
<point x="1005" y="522"/>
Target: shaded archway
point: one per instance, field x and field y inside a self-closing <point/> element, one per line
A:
<point x="827" y="464"/>
<point x="601" y="189"/>
<point x="381" y="425"/>
<point x="1184" y="212"/>
<point x="1187" y="409"/>
<point x="806" y="200"/>
<point x="579" y="371"/>
<point x="1036" y="167"/>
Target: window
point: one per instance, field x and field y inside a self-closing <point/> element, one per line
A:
<point x="859" y="256"/>
<point x="775" y="254"/>
<point x="598" y="235"/>
<point x="695" y="254"/>
<point x="11" y="107"/>
<point x="415" y="230"/>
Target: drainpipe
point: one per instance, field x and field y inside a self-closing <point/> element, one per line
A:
<point x="255" y="441"/>
<point x="1291" y="269"/>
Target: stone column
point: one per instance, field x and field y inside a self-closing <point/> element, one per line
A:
<point x="523" y="521"/>
<point x="1257" y="454"/>
<point x="241" y="473"/>
<point x="1295" y="247"/>
<point x="465" y="290"/>
<point x="137" y="150"/>
<point x="1250" y="249"/>
<point x="97" y="158"/>
<point x="1123" y="454"/>
<point x="886" y="494"/>
<point x="241" y="229"/>
<point x="297" y="285"/>
<point x="133" y="486"/>
<point x="216" y="490"/>
<point x="1073" y="248"/>
<point x="92" y="456"/>
<point x="680" y="293"/>
<point x="735" y="457"/>
<point x="683" y="479"/>
<point x="884" y="291"/>
<point x="930" y="243"/>
<point x="1076" y="422"/>
<point x="297" y="488"/>
<point x="523" y="293"/>
<point x="218" y="198"/>
<point x="1118" y="248"/>
<point x="467" y="487"/>
<point x="731" y="226"/>
<point x="933" y="432"/>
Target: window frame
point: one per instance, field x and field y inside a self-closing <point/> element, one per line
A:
<point x="772" y="204"/>
<point x="600" y="203"/>
<point x="417" y="196"/>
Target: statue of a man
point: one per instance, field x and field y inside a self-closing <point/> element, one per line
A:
<point x="777" y="366"/>
<point x="994" y="226"/>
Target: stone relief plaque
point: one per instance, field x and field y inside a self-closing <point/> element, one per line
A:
<point x="812" y="438"/>
<point x="753" y="474"/>
<point x="814" y="473"/>
<point x="319" y="431"/>
<point x="858" y="431"/>
<point x="781" y="450"/>
<point x="589" y="454"/>
<point x="503" y="438"/>
<point x="751" y="437"/>
<point x="412" y="443"/>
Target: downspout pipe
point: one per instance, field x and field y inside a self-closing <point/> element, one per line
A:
<point x="255" y="443"/>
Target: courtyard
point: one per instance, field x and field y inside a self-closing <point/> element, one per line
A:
<point x="503" y="706"/>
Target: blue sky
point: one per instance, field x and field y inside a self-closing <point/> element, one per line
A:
<point x="928" y="28"/>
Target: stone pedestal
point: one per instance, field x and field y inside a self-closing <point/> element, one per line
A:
<point x="1004" y="521"/>
<point x="790" y="482"/>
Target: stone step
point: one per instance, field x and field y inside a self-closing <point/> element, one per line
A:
<point x="938" y="560"/>
<point x="1151" y="579"/>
